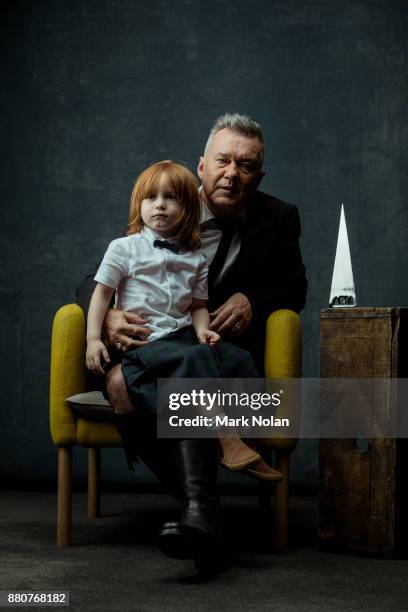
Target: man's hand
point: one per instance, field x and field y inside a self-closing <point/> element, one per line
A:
<point x="233" y="316"/>
<point x="125" y="330"/>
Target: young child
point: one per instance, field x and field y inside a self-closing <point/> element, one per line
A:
<point x="159" y="273"/>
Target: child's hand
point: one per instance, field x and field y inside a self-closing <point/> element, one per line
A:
<point x="94" y="351"/>
<point x="209" y="337"/>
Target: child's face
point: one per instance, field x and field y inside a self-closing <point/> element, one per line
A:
<point x="161" y="211"/>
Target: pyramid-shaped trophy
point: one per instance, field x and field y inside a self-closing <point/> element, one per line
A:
<point x="343" y="293"/>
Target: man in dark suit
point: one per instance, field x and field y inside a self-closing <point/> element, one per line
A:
<point x="251" y="241"/>
<point x="262" y="269"/>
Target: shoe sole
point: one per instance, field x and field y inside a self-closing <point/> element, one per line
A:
<point x="263" y="475"/>
<point x="183" y="543"/>
<point x="238" y="467"/>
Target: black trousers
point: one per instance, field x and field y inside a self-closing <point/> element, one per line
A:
<point x="178" y="355"/>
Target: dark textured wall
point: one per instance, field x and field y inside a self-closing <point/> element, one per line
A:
<point x="93" y="91"/>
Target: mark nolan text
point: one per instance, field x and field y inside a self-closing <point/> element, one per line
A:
<point x="256" y="420"/>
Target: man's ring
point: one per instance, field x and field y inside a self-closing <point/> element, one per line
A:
<point x="118" y="346"/>
<point x="236" y="328"/>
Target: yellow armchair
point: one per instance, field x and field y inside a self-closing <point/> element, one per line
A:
<point x="68" y="377"/>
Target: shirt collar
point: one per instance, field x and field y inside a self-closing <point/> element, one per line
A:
<point x="151" y="235"/>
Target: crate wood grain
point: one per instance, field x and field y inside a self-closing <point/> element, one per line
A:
<point x="363" y="501"/>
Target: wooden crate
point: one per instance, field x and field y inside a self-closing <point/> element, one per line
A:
<point x="363" y="501"/>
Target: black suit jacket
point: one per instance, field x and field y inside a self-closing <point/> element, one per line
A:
<point x="269" y="269"/>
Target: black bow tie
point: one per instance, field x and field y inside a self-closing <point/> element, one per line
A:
<point x="165" y="244"/>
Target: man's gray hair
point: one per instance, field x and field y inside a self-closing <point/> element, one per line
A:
<point x="237" y="123"/>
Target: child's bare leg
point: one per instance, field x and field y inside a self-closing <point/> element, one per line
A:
<point x="117" y="391"/>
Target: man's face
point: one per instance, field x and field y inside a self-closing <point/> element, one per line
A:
<point x="230" y="172"/>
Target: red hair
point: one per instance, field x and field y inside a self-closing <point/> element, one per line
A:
<point x="185" y="186"/>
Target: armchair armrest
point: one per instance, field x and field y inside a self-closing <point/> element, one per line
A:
<point x="283" y="345"/>
<point x="68" y="371"/>
<point x="283" y="359"/>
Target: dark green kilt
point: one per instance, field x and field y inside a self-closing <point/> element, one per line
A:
<point x="179" y="355"/>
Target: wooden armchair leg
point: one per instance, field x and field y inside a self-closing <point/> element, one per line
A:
<point x="94" y="476"/>
<point x="282" y="502"/>
<point x="265" y="487"/>
<point x="64" y="503"/>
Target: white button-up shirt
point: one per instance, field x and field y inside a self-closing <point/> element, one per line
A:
<point x="153" y="282"/>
